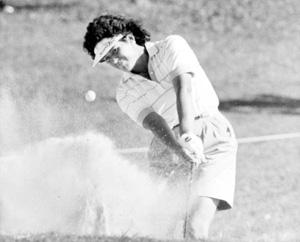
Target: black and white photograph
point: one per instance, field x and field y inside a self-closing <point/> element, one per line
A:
<point x="149" y="121"/>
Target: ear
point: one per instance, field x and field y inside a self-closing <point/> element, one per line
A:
<point x="130" y="38"/>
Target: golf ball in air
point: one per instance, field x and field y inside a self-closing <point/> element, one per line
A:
<point x="8" y="9"/>
<point x="90" y="96"/>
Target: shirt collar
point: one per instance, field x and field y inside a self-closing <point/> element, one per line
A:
<point x="151" y="48"/>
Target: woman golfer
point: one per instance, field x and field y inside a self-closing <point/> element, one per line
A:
<point x="164" y="89"/>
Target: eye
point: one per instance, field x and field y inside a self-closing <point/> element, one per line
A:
<point x="104" y="59"/>
<point x="114" y="51"/>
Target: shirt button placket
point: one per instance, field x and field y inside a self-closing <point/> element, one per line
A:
<point x="151" y="73"/>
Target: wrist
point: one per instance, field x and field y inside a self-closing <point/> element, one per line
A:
<point x="177" y="149"/>
<point x="185" y="137"/>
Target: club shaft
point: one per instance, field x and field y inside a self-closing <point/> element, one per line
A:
<point x="187" y="213"/>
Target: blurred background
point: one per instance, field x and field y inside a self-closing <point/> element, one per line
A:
<point x="248" y="48"/>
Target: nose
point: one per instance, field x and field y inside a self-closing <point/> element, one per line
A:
<point x="114" y="60"/>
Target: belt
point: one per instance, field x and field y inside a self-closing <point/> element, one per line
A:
<point x="202" y="115"/>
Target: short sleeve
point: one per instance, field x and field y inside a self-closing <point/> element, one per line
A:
<point x="179" y="57"/>
<point x="133" y="105"/>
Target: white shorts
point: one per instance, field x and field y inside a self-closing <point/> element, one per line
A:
<point x="216" y="179"/>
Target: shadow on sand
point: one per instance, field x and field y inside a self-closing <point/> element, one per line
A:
<point x="265" y="102"/>
<point x="45" y="6"/>
<point x="262" y="103"/>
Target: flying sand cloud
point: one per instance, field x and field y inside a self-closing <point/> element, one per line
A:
<point x="77" y="185"/>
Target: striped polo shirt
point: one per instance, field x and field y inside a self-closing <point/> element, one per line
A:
<point x="138" y="96"/>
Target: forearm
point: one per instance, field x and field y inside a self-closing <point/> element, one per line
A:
<point x="185" y="107"/>
<point x="159" y="127"/>
<point x="183" y="89"/>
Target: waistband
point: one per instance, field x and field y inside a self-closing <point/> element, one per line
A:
<point x="202" y="115"/>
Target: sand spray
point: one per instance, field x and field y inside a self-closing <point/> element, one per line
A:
<point x="77" y="184"/>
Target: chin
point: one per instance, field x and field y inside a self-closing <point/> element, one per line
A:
<point x="128" y="69"/>
<point x="125" y="67"/>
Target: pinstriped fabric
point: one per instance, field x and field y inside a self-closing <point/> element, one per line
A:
<point x="159" y="69"/>
<point x="133" y="99"/>
<point x="160" y="97"/>
<point x="137" y="96"/>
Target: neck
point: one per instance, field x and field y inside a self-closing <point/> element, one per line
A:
<point x="141" y="67"/>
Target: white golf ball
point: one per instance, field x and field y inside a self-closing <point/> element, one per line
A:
<point x="8" y="9"/>
<point x="90" y="96"/>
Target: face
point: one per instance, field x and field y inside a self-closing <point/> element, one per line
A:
<point x="124" y="54"/>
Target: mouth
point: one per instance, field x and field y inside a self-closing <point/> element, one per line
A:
<point x="120" y="64"/>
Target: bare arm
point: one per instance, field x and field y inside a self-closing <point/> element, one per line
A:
<point x="159" y="127"/>
<point x="185" y="108"/>
<point x="183" y="89"/>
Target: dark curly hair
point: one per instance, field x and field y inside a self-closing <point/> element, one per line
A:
<point x="106" y="26"/>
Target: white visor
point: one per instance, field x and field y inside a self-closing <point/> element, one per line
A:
<point x="104" y="46"/>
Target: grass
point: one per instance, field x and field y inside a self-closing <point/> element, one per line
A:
<point x="249" y="50"/>
<point x="53" y="237"/>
